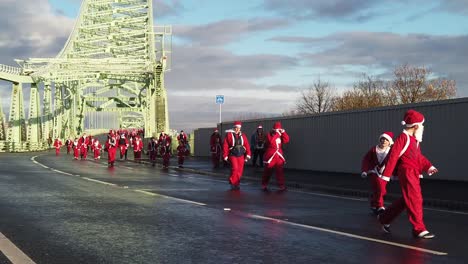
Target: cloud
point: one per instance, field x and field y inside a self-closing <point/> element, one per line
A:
<point x="165" y="8"/>
<point x="445" y="55"/>
<point x="226" y="31"/>
<point x="26" y="34"/>
<point x="455" y="6"/>
<point x="198" y="68"/>
<point x="355" y="10"/>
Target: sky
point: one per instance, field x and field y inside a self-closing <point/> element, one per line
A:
<point x="260" y="54"/>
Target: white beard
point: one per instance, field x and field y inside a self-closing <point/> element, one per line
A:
<point x="418" y="134"/>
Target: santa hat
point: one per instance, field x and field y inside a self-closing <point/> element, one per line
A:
<point x="412" y="118"/>
<point x="237" y="124"/>
<point x="216" y="130"/>
<point x="259" y="127"/>
<point x="388" y="136"/>
<point x="277" y="125"/>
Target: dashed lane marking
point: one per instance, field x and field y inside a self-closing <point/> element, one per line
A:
<point x="98" y="181"/>
<point x="12" y="252"/>
<point x="349" y="235"/>
<point x="169" y="197"/>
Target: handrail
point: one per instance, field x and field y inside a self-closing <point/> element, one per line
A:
<point x="10" y="69"/>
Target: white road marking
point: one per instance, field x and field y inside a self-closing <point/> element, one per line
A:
<point x="366" y="200"/>
<point x="98" y="181"/>
<point x="349" y="235"/>
<point x="13" y="253"/>
<point x="169" y="197"/>
<point x="66" y="173"/>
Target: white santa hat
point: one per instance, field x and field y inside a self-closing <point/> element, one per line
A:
<point x="388" y="136"/>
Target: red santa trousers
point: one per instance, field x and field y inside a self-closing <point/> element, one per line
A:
<point x="97" y="153"/>
<point x="215" y="157"/>
<point x="111" y="154"/>
<point x="379" y="189"/>
<point x="237" y="168"/>
<point x="57" y="151"/>
<point x="412" y="200"/>
<point x="122" y="151"/>
<point x="76" y="153"/>
<point x="166" y="157"/>
<point x="137" y="155"/>
<point x="276" y="164"/>
<point x="84" y="152"/>
<point x="153" y="156"/>
<point x="181" y="160"/>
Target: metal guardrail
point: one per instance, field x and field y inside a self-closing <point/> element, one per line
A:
<point x="10" y="69"/>
<point x="7" y="146"/>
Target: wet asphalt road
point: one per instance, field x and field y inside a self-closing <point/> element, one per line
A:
<point x="58" y="210"/>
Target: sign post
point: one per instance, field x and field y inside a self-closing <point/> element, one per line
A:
<point x="219" y="101"/>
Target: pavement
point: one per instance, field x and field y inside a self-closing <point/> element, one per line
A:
<point x="436" y="193"/>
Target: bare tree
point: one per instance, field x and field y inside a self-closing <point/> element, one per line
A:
<point x="413" y="84"/>
<point x="316" y="99"/>
<point x="366" y="93"/>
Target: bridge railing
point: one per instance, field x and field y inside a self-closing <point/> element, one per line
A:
<point x="10" y="69"/>
<point x="7" y="146"/>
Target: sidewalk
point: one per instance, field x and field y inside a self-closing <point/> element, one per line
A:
<point x="437" y="193"/>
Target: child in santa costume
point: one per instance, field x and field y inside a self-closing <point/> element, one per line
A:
<point x="96" y="147"/>
<point x="76" y="149"/>
<point x="373" y="164"/>
<point x="164" y="143"/>
<point x="57" y="146"/>
<point x="215" y="148"/>
<point x="152" y="150"/>
<point x="408" y="162"/>
<point x="236" y="149"/>
<point x="137" y="148"/>
<point x="111" y="146"/>
<point x="274" y="157"/>
<point x="181" y="152"/>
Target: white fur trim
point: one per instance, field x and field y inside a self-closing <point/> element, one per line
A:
<point x="385" y="178"/>
<point x="387" y="137"/>
<point x="411" y="125"/>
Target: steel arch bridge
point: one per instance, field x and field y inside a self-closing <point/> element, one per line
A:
<point x="113" y="62"/>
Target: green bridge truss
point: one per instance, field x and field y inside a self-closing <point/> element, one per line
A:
<point x="113" y="61"/>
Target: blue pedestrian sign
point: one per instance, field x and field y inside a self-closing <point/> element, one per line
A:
<point x="220" y="99"/>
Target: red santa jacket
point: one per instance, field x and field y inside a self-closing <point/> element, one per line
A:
<point x="57" y="143"/>
<point x="96" y="145"/>
<point x="83" y="142"/>
<point x="370" y="162"/>
<point x="215" y="142"/>
<point x="229" y="142"/>
<point x="406" y="153"/>
<point x="182" y="150"/>
<point x="137" y="145"/>
<point x="274" y="145"/>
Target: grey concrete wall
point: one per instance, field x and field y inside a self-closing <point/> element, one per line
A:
<point x="338" y="141"/>
<point x="201" y="141"/>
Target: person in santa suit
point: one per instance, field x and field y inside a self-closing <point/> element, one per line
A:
<point x="236" y="150"/>
<point x="257" y="143"/>
<point x="123" y="146"/>
<point x="407" y="161"/>
<point x="96" y="147"/>
<point x="137" y="148"/>
<point x="69" y="144"/>
<point x="153" y="150"/>
<point x="181" y="153"/>
<point x="164" y="143"/>
<point x="57" y="146"/>
<point x="83" y="143"/>
<point x="76" y="148"/>
<point x="372" y="165"/>
<point x="274" y="157"/>
<point x="111" y="146"/>
<point x="215" y="148"/>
